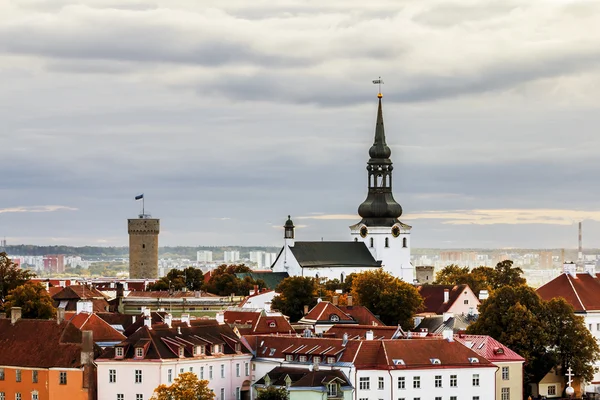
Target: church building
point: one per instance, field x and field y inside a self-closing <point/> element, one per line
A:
<point x="379" y="239"/>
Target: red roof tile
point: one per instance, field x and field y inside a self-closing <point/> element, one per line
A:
<point x="488" y="347"/>
<point x="165" y="293"/>
<point x="433" y="297"/>
<point x="79" y="292"/>
<point x="324" y="310"/>
<point x="102" y="331"/>
<point x="362" y="315"/>
<point x="582" y="291"/>
<point x="359" y="331"/>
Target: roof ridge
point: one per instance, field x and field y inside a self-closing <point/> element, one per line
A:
<point x="576" y="294"/>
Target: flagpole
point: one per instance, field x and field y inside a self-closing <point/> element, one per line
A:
<point x="143" y="208"/>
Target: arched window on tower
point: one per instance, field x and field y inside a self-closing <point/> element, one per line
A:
<point x="387" y="242"/>
<point x="371" y="242"/>
<point x="404" y="243"/>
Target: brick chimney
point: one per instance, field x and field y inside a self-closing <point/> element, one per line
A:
<point x="15" y="314"/>
<point x="60" y="315"/>
<point x="87" y="347"/>
<point x="349" y="301"/>
<point x="335" y="300"/>
<point x="305" y="310"/>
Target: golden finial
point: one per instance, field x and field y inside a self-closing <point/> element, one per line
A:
<point x="378" y="82"/>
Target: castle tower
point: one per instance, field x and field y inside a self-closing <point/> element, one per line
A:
<point x="143" y="247"/>
<point x="385" y="236"/>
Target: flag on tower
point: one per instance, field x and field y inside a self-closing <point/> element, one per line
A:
<point x="378" y="81"/>
<point x="139" y="196"/>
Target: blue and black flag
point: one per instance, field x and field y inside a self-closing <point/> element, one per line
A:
<point x="139" y="196"/>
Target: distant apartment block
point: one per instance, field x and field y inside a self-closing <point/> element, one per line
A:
<point x="54" y="263"/>
<point x="545" y="260"/>
<point x="204" y="256"/>
<point x="262" y="258"/>
<point x="231" y="256"/>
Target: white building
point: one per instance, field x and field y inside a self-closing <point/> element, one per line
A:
<point x="151" y="357"/>
<point x="379" y="232"/>
<point x="204" y="256"/>
<point x="231" y="256"/>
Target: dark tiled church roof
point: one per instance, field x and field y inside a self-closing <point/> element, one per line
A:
<point x="271" y="279"/>
<point x="333" y="254"/>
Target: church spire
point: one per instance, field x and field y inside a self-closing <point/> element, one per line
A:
<point x="379" y="208"/>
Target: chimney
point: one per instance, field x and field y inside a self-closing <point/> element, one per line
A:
<point x="168" y="319"/>
<point x="305" y="310"/>
<point x="315" y="365"/>
<point x="369" y="335"/>
<point x="267" y="306"/>
<point x="120" y="290"/>
<point x="85" y="306"/>
<point x="590" y="269"/>
<point x="60" y="315"/>
<point x="148" y="322"/>
<point x="146" y="311"/>
<point x="220" y="318"/>
<point x="335" y="300"/>
<point x="344" y="339"/>
<point x="448" y="335"/>
<point x="570" y="268"/>
<point x="15" y="314"/>
<point x="349" y="301"/>
<point x="185" y="318"/>
<point x="87" y="347"/>
<point x="446" y="295"/>
<point x="483" y="295"/>
<point x="447" y="316"/>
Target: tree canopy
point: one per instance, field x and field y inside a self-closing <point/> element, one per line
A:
<point x="34" y="300"/>
<point x="223" y="281"/>
<point x="393" y="300"/>
<point x="273" y="393"/>
<point x="11" y="276"/>
<point x="295" y="292"/>
<point x="185" y="387"/>
<point x="546" y="334"/>
<point x="190" y="278"/>
<point x="481" y="278"/>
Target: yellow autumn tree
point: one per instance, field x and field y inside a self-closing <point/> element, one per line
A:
<point x="187" y="386"/>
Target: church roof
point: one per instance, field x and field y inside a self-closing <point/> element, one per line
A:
<point x="333" y="254"/>
<point x="271" y="279"/>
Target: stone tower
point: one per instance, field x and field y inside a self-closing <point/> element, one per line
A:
<point x="387" y="238"/>
<point x="143" y="247"/>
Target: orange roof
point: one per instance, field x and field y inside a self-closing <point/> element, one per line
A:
<point x="324" y="310"/>
<point x="359" y="331"/>
<point x="488" y="347"/>
<point x="582" y="291"/>
<point x="102" y="331"/>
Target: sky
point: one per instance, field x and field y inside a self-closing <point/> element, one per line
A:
<point x="229" y="115"/>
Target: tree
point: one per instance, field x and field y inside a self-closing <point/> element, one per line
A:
<point x="507" y="275"/>
<point x="482" y="278"/>
<point x="395" y="301"/>
<point x="295" y="292"/>
<point x="11" y="276"/>
<point x="34" y="300"/>
<point x="185" y="387"/>
<point x="546" y="334"/>
<point x="223" y="281"/>
<point x="273" y="393"/>
<point x="189" y="278"/>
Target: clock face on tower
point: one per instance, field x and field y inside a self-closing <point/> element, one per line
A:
<point x="395" y="231"/>
<point x="363" y="231"/>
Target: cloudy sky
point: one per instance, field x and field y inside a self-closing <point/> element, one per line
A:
<point x="229" y="115"/>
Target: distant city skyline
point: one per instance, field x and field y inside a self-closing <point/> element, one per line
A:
<point x="229" y="118"/>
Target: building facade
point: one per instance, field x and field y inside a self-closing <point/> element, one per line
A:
<point x="143" y="247"/>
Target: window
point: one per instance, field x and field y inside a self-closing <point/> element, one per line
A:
<point x="34" y="376"/>
<point x="475" y="397"/>
<point x="504" y="373"/>
<point x="334" y="318"/>
<point x="2" y="396"/>
<point x="247" y="369"/>
<point x="438" y="398"/>
<point x="401" y="382"/>
<point x="272" y="324"/>
<point x="238" y="393"/>
<point x="1" y="375"/>
<point x="317" y="359"/>
<point x="466" y="301"/>
<point x="237" y="370"/>
<point x="505" y="394"/>
<point x="387" y="242"/>
<point x="139" y="352"/>
<point x="381" y="383"/>
<point x="598" y="327"/>
<point x="138" y="376"/>
<point x="191" y="369"/>
<point x="181" y="352"/>
<point x="112" y="375"/>
<point x="210" y="372"/>
<point x="181" y="370"/>
<point x="417" y="382"/>
<point x="438" y="381"/>
<point x="475" y="379"/>
<point x="62" y="378"/>
<point x="452" y="397"/>
<point x="371" y="242"/>
<point x="170" y="375"/>
<point x="222" y="394"/>
<point x="332" y="390"/>
<point x="289" y="357"/>
<point x="34" y="395"/>
<point x="201" y="372"/>
<point x="18" y="375"/>
<point x="119" y="352"/>
<point x="453" y="381"/>
<point x="330" y="360"/>
<point x="120" y="396"/>
<point x="404" y="243"/>
<point x="17" y="396"/>
<point x="364" y="383"/>
<point x="139" y="396"/>
<point x="551" y="390"/>
<point x="222" y="370"/>
<point x="302" y="358"/>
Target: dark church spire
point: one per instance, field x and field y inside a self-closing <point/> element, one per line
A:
<point x="380" y="208"/>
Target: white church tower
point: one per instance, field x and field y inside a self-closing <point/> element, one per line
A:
<point x="385" y="236"/>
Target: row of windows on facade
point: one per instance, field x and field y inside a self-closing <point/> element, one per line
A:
<point x="121" y="396"/>
<point x="112" y="373"/>
<point x="505" y="395"/>
<point x="387" y="242"/>
<point x="62" y="376"/>
<point x="315" y="359"/>
<point x="196" y="351"/>
<point x="34" y="396"/>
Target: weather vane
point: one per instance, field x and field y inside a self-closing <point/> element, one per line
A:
<point x="379" y="82"/>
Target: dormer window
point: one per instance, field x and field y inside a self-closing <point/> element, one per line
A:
<point x="334" y="318"/>
<point x="332" y="389"/>
<point x="288" y="381"/>
<point x="399" y="361"/>
<point x="118" y="352"/>
<point x="238" y="347"/>
<point x="139" y="352"/>
<point x="289" y="357"/>
<point x="302" y="359"/>
<point x="272" y="352"/>
<point x="317" y="359"/>
<point x="473" y="360"/>
<point x="330" y="360"/>
<point x="498" y="350"/>
<point x="216" y="349"/>
<point x="181" y="352"/>
<point x="272" y="324"/>
<point x="435" y="361"/>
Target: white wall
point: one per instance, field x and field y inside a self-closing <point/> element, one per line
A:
<point x="459" y="307"/>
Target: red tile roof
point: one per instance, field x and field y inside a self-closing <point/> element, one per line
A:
<point x="79" y="292"/>
<point x="102" y="331"/>
<point x="488" y="347"/>
<point x="165" y="293"/>
<point x="323" y="311"/>
<point x="582" y="291"/>
<point x="40" y="344"/>
<point x="359" y="331"/>
<point x="257" y="322"/>
<point x="433" y="297"/>
<point x="362" y="315"/>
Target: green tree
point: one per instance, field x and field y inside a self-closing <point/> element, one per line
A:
<point x="273" y="393"/>
<point x="295" y="292"/>
<point x="34" y="300"/>
<point x="395" y="301"/>
<point x="11" y="276"/>
<point x="507" y="275"/>
<point x="223" y="281"/>
<point x="189" y="278"/>
<point x="481" y="278"/>
<point x="186" y="386"/>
